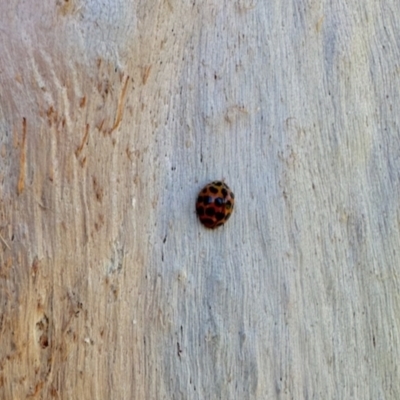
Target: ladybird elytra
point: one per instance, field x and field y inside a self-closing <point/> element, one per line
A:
<point x="214" y="204"/>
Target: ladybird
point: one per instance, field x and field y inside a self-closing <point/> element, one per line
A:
<point x="214" y="204"/>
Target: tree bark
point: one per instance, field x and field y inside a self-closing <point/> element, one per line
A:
<point x="113" y="115"/>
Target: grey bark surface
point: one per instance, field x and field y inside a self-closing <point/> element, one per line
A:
<point x="114" y="114"/>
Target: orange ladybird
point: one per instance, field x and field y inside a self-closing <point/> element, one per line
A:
<point x="214" y="204"/>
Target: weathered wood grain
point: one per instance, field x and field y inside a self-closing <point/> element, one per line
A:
<point x="114" y="114"/>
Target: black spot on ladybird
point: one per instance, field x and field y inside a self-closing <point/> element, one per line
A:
<point x="200" y="211"/>
<point x="208" y="222"/>
<point x="210" y="212"/>
<point x="219" y="216"/>
<point x="207" y="200"/>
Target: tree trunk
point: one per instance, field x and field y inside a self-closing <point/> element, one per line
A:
<point x="113" y="115"/>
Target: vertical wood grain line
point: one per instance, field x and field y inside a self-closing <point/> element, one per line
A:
<point x="120" y="110"/>
<point x="22" y="160"/>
